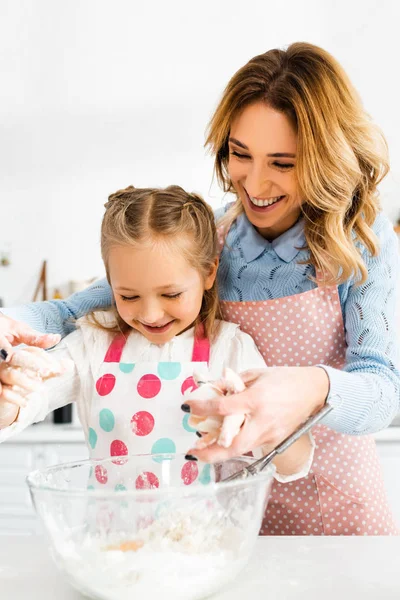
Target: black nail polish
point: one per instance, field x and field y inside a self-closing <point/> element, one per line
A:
<point x="190" y="457"/>
<point x="198" y="434"/>
<point x="185" y="408"/>
<point x="3" y="354"/>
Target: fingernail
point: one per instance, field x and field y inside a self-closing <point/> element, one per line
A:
<point x="3" y="354"/>
<point x="198" y="434"/>
<point x="190" y="457"/>
<point x="185" y="408"/>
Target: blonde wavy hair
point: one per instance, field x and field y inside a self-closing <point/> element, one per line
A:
<point x="341" y="158"/>
<point x="134" y="216"/>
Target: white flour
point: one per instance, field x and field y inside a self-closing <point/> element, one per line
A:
<point x="183" y="557"/>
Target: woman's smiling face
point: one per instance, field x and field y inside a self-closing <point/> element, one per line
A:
<point x="262" y="161"/>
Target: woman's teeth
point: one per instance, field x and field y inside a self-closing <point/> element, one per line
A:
<point x="266" y="202"/>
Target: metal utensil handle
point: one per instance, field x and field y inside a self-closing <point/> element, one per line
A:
<point x="311" y="421"/>
<point x="260" y="464"/>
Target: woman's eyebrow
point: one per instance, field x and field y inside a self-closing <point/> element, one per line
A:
<point x="274" y="155"/>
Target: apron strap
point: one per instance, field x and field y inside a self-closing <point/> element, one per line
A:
<point x="201" y="345"/>
<point x="115" y="350"/>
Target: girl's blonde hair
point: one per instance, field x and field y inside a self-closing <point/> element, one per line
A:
<point x="147" y="215"/>
<point x="341" y="155"/>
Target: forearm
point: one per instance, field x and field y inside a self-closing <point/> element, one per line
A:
<point x="294" y="458"/>
<point x="59" y="316"/>
<point x="364" y="402"/>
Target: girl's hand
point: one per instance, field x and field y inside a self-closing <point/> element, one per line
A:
<point x="23" y="374"/>
<point x="277" y="400"/>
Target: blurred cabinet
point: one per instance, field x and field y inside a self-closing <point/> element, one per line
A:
<point x="24" y="454"/>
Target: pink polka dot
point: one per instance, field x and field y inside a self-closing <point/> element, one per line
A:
<point x="188" y="384"/>
<point x="101" y="474"/>
<point x="189" y="472"/>
<point x="142" y="423"/>
<point x="147" y="481"/>
<point x="148" y="386"/>
<point x="118" y="448"/>
<point x="105" y="384"/>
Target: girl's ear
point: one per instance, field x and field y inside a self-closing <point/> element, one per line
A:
<point x="209" y="282"/>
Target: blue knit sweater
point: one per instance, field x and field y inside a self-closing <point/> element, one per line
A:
<point x="366" y="393"/>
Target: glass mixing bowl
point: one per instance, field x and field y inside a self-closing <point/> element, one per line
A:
<point x="152" y="524"/>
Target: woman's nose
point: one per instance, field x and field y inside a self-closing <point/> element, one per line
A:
<point x="257" y="182"/>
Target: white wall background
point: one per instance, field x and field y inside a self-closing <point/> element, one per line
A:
<point x="96" y="95"/>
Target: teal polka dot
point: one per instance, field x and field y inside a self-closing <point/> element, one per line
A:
<point x="90" y="487"/>
<point x="163" y="446"/>
<point x="91" y="472"/>
<point x="120" y="488"/>
<point x="92" y="438"/>
<point x="205" y="475"/>
<point x="126" y="367"/>
<point x="169" y="370"/>
<point x="185" y="423"/>
<point x="106" y="419"/>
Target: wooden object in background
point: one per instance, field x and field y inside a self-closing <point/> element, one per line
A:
<point x="42" y="283"/>
<point x="397" y="228"/>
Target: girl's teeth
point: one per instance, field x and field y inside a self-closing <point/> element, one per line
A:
<point x="268" y="202"/>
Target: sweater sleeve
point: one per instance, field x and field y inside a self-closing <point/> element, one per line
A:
<point x="366" y="393"/>
<point x="59" y="316"/>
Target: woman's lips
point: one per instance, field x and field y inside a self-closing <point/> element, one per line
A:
<point x="262" y="209"/>
<point x="156" y="330"/>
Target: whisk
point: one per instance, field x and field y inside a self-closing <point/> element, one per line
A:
<point x="258" y="466"/>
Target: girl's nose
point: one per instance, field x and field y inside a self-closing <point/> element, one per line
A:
<point x="151" y="313"/>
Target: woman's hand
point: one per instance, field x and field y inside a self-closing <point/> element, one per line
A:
<point x="13" y="333"/>
<point x="277" y="400"/>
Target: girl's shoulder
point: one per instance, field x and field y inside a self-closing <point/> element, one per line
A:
<point x="230" y="333"/>
<point x="225" y="329"/>
<point x="96" y="329"/>
<point x="235" y="349"/>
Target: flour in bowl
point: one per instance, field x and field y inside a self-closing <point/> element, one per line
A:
<point x="187" y="556"/>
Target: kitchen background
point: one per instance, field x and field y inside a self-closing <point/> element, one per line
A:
<point x="98" y="95"/>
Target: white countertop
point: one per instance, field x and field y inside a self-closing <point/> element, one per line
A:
<point x="48" y="432"/>
<point x="283" y="568"/>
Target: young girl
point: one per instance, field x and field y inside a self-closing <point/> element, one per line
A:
<point x="133" y="363"/>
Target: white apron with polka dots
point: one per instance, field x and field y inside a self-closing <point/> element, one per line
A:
<point x="136" y="409"/>
<point x="344" y="492"/>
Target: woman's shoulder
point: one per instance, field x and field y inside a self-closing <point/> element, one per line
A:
<point x="384" y="231"/>
<point x="221" y="210"/>
<point x="383" y="226"/>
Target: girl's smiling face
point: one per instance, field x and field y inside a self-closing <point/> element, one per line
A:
<point x="262" y="161"/>
<point x="156" y="290"/>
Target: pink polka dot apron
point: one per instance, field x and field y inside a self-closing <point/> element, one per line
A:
<point x="344" y="492"/>
<point x="136" y="409"/>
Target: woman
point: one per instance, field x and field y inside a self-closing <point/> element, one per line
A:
<point x="308" y="268"/>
